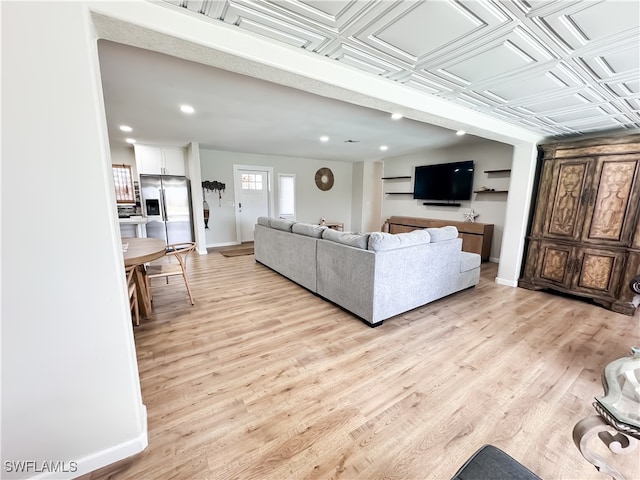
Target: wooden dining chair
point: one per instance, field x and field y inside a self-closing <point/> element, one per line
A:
<point x="133" y="293"/>
<point x="178" y="252"/>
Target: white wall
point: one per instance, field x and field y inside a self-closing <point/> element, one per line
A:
<point x="367" y="196"/>
<point x="490" y="207"/>
<point x="311" y="202"/>
<point x="70" y="387"/>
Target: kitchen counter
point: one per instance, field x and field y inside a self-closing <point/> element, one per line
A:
<point x="139" y="221"/>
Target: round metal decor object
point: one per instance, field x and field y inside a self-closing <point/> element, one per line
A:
<point x="324" y="179"/>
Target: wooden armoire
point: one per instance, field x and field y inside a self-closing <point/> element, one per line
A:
<point x="584" y="238"/>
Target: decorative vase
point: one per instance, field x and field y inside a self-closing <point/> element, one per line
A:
<point x="205" y="207"/>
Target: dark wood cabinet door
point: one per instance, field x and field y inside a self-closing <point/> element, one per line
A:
<point x="613" y="201"/>
<point x="569" y="186"/>
<point x="555" y="264"/>
<point x="597" y="271"/>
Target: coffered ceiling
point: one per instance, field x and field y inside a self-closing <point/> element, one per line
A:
<point x="560" y="68"/>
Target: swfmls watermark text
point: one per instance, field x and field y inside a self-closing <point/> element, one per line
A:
<point x="35" y="466"/>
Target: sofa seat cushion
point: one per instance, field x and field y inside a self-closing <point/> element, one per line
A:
<point x="469" y="261"/>
<point x="280" y="224"/>
<point x="442" y="234"/>
<point x="358" y="240"/>
<point x="380" y="241"/>
<point x="264" y="221"/>
<point x="309" y="230"/>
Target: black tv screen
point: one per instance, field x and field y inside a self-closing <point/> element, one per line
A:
<point x="444" y="181"/>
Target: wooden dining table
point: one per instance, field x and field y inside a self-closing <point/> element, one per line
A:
<point x="137" y="252"/>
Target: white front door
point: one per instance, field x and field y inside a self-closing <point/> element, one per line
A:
<point x="253" y="198"/>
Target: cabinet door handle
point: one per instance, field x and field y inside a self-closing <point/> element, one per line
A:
<point x="592" y="196"/>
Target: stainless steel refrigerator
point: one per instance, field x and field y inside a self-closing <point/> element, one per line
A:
<point x="166" y="200"/>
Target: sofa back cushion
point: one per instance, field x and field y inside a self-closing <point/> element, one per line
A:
<point x="280" y="224"/>
<point x="358" y="240"/>
<point x="309" y="230"/>
<point x="443" y="233"/>
<point x="380" y="241"/>
<point x="264" y="221"/>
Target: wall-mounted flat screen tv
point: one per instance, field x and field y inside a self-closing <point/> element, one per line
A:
<point x="444" y="181"/>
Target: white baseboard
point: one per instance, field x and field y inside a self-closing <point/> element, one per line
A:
<point x="104" y="457"/>
<point x="225" y="244"/>
<point x="508" y="283"/>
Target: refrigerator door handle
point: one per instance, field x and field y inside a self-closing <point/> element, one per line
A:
<point x="164" y="206"/>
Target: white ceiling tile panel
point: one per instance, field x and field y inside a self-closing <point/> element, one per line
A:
<point x="415" y="33"/>
<point x="571" y="117"/>
<point x="617" y="62"/>
<point x="581" y="23"/>
<point x="595" y="20"/>
<point x="598" y="123"/>
<point x="623" y="61"/>
<point x="426" y="84"/>
<point x="536" y="84"/>
<point x="500" y="58"/>
<point x="576" y="100"/>
<point x="358" y="58"/>
<point x="334" y="15"/>
<point x="258" y="22"/>
<point x="268" y="30"/>
<point x="424" y="31"/>
<point x="320" y="11"/>
<point x="492" y="62"/>
<point x="625" y="88"/>
<point x="634" y="103"/>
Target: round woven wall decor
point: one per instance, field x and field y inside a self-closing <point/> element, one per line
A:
<point x="324" y="179"/>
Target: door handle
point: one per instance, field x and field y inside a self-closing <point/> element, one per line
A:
<point x="164" y="205"/>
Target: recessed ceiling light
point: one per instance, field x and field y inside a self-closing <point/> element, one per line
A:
<point x="126" y="128"/>
<point x="384" y="148"/>
<point x="187" y="109"/>
<point x="130" y="140"/>
<point x="396" y="116"/>
<point x="460" y="132"/>
<point x="324" y="139"/>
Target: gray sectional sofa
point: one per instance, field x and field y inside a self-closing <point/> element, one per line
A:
<point x="373" y="275"/>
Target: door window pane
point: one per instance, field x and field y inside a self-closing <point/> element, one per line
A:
<point x="251" y="181"/>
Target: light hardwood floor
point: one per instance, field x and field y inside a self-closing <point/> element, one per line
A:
<point x="263" y="380"/>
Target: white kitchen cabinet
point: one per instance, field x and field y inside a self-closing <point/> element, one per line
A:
<point x="157" y="160"/>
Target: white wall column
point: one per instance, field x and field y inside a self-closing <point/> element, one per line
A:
<point x="523" y="169"/>
<point x="195" y="175"/>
